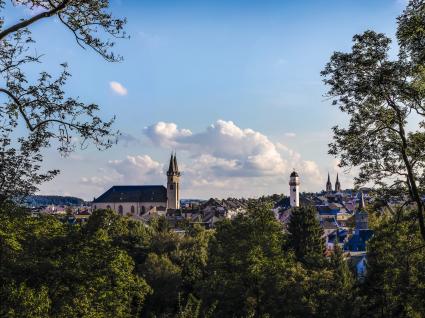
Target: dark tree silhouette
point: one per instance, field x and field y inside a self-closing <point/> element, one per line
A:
<point x="49" y="116"/>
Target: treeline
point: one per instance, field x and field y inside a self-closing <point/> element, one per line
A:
<point x="247" y="267"/>
<point x="40" y="200"/>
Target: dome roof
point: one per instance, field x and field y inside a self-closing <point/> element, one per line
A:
<point x="294" y="174"/>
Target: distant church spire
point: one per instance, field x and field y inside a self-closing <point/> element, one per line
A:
<point x="361" y="202"/>
<point x="361" y="216"/>
<point x="329" y="184"/>
<point x="337" y="184"/>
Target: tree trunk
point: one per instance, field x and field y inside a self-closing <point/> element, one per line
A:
<point x="414" y="192"/>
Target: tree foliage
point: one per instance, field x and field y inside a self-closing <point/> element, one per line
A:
<point x="48" y="115"/>
<point x="305" y="237"/>
<point x="382" y="98"/>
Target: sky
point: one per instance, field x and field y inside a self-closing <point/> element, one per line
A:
<point x="233" y="87"/>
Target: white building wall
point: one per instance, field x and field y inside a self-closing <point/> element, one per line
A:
<point x="295" y="196"/>
<point x="126" y="206"/>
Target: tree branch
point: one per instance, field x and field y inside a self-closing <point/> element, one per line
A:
<point x="25" y="23"/>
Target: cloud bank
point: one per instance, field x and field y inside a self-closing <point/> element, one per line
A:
<point x="222" y="160"/>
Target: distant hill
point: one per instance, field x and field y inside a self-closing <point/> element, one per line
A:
<point x="41" y="200"/>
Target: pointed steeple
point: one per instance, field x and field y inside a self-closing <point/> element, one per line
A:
<point x="337" y="184"/>
<point x="329" y="184"/>
<point x="362" y="204"/>
<point x="171" y="167"/>
<point x="176" y="167"/>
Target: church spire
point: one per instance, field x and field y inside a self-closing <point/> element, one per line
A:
<point x="176" y="167"/>
<point x="173" y="184"/>
<point x="171" y="167"/>
<point x="337" y="184"/>
<point x="328" y="184"/>
<point x="361" y="203"/>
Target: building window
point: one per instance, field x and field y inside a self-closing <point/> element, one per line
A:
<point x="171" y="187"/>
<point x="120" y="210"/>
<point x="132" y="209"/>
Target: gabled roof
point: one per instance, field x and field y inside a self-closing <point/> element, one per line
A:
<point x="149" y="193"/>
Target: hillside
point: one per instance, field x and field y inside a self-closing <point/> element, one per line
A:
<point x="41" y="200"/>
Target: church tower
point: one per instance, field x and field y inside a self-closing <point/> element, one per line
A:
<point x="329" y="184"/>
<point x="173" y="184"/>
<point x="294" y="189"/>
<point x="361" y="216"/>
<point x="337" y="184"/>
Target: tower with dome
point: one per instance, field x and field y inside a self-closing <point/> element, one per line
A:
<point x="294" y="189"/>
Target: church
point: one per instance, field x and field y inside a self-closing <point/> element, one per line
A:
<point x="136" y="200"/>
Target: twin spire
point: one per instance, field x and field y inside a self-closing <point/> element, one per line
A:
<point x="329" y="184"/>
<point x="173" y="168"/>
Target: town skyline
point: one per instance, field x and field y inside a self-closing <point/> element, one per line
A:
<point x="241" y="115"/>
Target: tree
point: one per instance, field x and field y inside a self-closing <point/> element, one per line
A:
<point x="411" y="31"/>
<point x="248" y="273"/>
<point x="382" y="99"/>
<point x="21" y="301"/>
<point x="52" y="269"/>
<point x="42" y="107"/>
<point x="305" y="237"/>
<point x="395" y="273"/>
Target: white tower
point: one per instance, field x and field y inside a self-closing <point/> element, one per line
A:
<point x="294" y="188"/>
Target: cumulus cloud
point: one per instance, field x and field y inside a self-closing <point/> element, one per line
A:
<point x="166" y="134"/>
<point x="225" y="154"/>
<point x="223" y="147"/>
<point x="118" y="88"/>
<point x="139" y="169"/>
<point x="222" y="160"/>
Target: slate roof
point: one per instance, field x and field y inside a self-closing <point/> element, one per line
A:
<point x="358" y="242"/>
<point x="147" y="193"/>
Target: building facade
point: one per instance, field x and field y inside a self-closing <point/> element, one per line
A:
<point x="136" y="200"/>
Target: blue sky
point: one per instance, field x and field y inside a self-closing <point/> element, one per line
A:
<point x="233" y="86"/>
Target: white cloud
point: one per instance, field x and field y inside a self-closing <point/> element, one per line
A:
<point x="165" y="134"/>
<point x="118" y="88"/>
<point x="224" y="147"/>
<point x="221" y="161"/>
<point x="225" y="156"/>
<point x="139" y="169"/>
